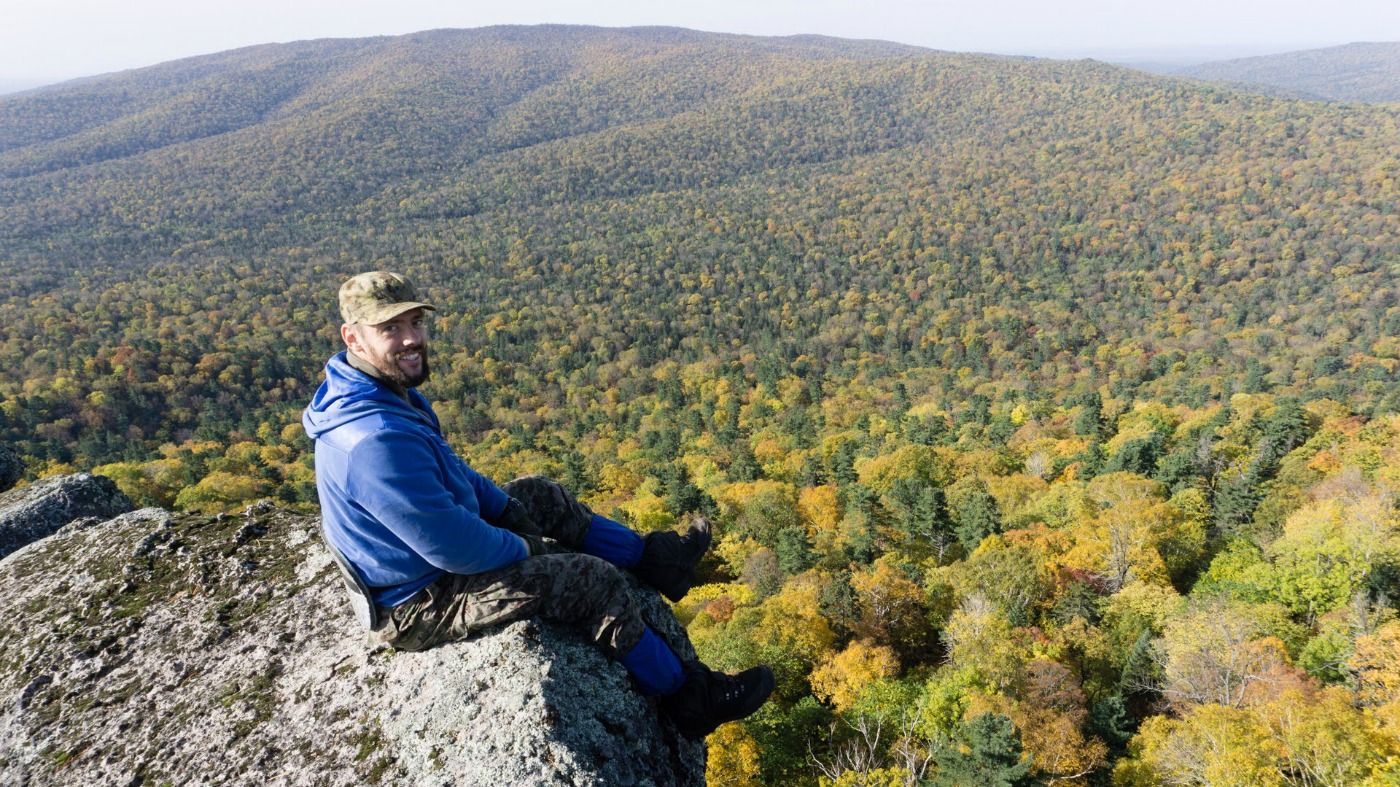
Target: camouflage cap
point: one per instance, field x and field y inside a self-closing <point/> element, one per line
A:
<point x="377" y="296"/>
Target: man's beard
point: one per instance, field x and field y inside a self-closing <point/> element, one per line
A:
<point x="393" y="371"/>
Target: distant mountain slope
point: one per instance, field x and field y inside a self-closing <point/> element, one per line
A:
<point x="200" y="97"/>
<point x="1352" y="72"/>
<point x="16" y="85"/>
<point x="578" y="199"/>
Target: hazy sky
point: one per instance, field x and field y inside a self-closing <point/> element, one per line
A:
<point x="48" y="40"/>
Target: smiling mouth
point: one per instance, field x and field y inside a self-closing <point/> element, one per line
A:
<point x="411" y="357"/>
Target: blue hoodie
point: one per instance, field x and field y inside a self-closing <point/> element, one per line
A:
<point x="396" y="500"/>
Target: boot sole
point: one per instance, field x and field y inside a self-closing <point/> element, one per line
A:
<point x="701" y="537"/>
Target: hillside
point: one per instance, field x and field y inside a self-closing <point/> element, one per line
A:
<point x="172" y="236"/>
<point x="1046" y="411"/>
<point x="1368" y="72"/>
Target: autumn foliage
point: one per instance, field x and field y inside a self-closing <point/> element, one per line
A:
<point x="1046" y="411"/>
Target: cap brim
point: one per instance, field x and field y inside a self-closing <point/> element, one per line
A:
<point x="392" y="310"/>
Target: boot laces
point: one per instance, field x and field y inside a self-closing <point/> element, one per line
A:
<point x="731" y="689"/>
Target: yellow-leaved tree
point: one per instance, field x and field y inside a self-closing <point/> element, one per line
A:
<point x="733" y="758"/>
<point x="1209" y="744"/>
<point x="841" y="677"/>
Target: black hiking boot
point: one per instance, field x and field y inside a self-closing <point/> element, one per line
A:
<point x="668" y="559"/>
<point x="708" y="699"/>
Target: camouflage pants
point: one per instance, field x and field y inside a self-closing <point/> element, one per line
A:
<point x="558" y="513"/>
<point x="565" y="587"/>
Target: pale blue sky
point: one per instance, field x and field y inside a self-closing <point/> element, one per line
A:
<point x="49" y="40"/>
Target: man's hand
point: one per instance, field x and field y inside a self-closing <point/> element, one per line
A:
<point x="534" y="545"/>
<point x="515" y="519"/>
<point x="541" y="546"/>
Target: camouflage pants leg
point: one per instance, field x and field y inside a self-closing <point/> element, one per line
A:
<point x="555" y="509"/>
<point x="564" y="588"/>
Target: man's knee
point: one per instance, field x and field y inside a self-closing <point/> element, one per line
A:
<point x="542" y="497"/>
<point x="532" y="485"/>
<point x="552" y="507"/>
<point x="589" y="590"/>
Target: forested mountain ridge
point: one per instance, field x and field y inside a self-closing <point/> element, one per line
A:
<point x="1362" y="71"/>
<point x="1001" y="378"/>
<point x="804" y="188"/>
<point x="130" y="112"/>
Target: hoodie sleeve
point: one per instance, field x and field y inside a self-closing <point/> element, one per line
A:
<point x="488" y="495"/>
<point x="393" y="475"/>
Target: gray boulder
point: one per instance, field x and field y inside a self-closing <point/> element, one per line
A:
<point x="11" y="467"/>
<point x="177" y="649"/>
<point x="33" y="512"/>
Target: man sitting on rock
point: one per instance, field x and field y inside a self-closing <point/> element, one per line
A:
<point x="437" y="552"/>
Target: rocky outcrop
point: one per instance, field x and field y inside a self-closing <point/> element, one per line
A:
<point x="11" y="467"/>
<point x="158" y="648"/>
<point x="35" y="511"/>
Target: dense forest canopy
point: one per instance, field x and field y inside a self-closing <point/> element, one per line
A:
<point x="1046" y="410"/>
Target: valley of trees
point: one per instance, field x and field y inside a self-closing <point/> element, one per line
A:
<point x="1048" y="412"/>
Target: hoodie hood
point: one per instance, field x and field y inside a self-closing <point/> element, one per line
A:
<point x="348" y="395"/>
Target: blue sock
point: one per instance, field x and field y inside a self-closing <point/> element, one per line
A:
<point x="613" y="542"/>
<point x="652" y="664"/>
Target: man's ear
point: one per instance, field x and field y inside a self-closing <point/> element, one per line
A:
<point x="350" y="337"/>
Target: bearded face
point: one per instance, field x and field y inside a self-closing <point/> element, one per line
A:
<point x="398" y="347"/>
<point x="408" y="368"/>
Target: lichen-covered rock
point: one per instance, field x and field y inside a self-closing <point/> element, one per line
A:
<point x="159" y="648"/>
<point x="11" y="467"/>
<point x="35" y="511"/>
